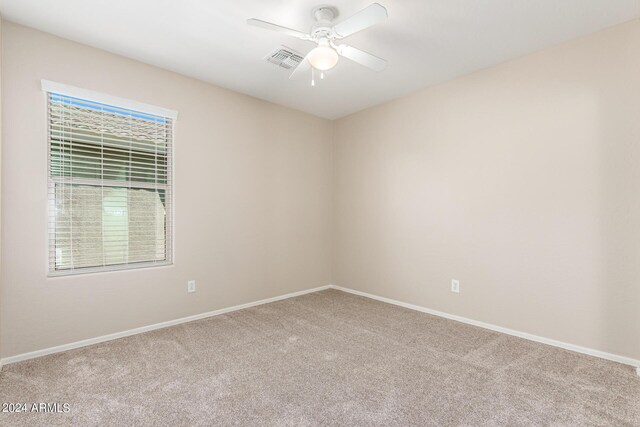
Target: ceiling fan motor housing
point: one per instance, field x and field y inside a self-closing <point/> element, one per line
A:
<point x="324" y="16"/>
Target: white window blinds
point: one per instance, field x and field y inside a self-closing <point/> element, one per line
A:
<point x="109" y="186"/>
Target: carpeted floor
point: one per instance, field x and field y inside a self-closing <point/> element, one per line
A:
<point x="327" y="358"/>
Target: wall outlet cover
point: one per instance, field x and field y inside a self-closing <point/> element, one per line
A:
<point x="191" y="286"/>
<point x="455" y="286"/>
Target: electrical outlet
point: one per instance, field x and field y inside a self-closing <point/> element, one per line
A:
<point x="191" y="286"/>
<point x="455" y="286"/>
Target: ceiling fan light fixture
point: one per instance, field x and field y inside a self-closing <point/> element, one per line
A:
<point x="324" y="32"/>
<point x="323" y="58"/>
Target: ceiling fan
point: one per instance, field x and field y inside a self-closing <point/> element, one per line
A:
<point x="325" y="33"/>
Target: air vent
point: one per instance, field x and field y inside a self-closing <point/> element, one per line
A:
<point x="285" y="57"/>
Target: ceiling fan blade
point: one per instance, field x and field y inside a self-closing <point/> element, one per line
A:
<point x="362" y="57"/>
<point x="367" y="17"/>
<point x="279" y="28"/>
<point x="302" y="68"/>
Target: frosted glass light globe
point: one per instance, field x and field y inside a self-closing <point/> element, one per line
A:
<point x="323" y="58"/>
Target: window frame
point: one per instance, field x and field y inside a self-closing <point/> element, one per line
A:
<point x="48" y="88"/>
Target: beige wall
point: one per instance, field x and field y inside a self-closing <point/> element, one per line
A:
<point x="1" y="23"/>
<point x="252" y="193"/>
<point x="522" y="181"/>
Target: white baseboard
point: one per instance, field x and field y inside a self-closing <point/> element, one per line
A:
<point x="530" y="337"/>
<point x="91" y="341"/>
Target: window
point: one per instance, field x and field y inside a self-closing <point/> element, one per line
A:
<point x="109" y="186"/>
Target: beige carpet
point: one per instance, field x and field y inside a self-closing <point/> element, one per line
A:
<point x="328" y="358"/>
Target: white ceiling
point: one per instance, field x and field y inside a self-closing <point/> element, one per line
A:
<point x="425" y="41"/>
